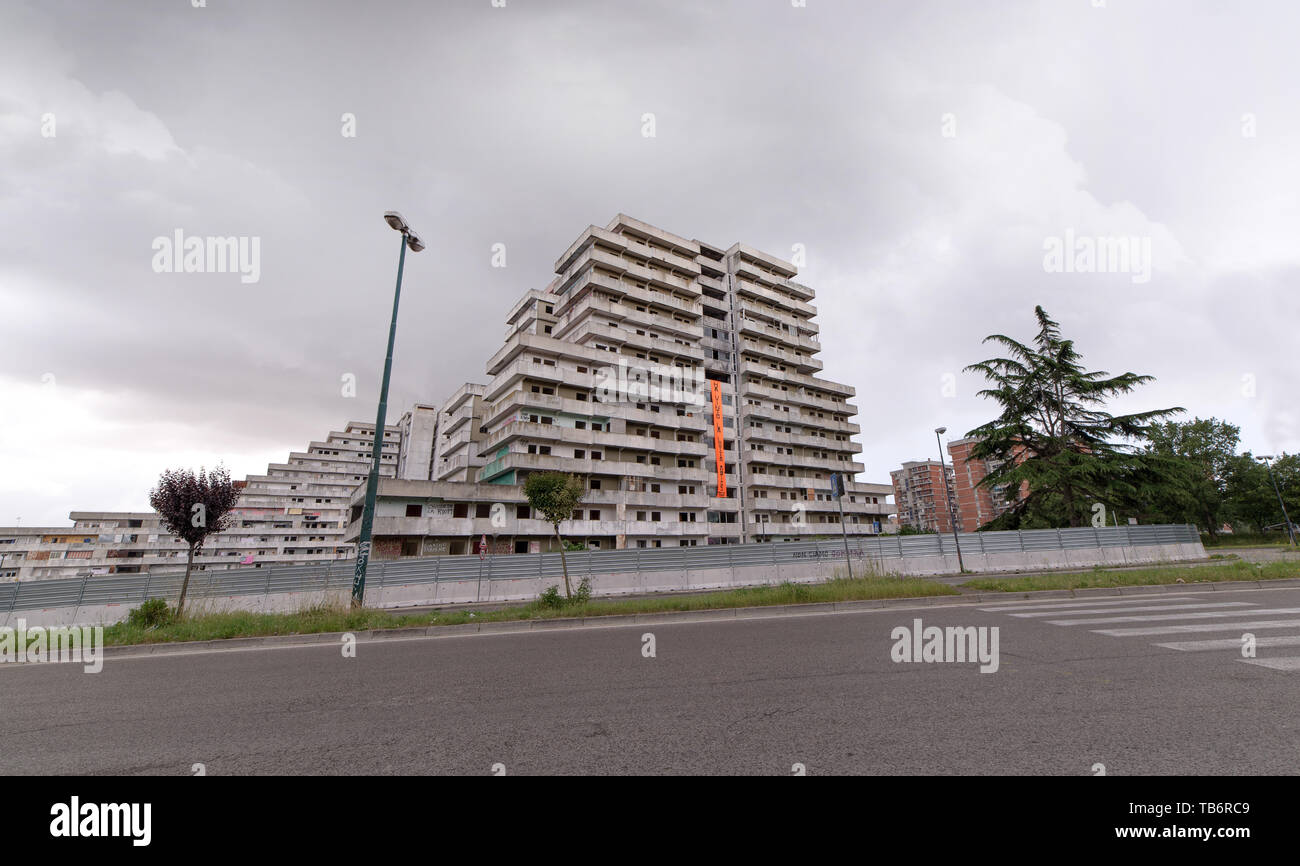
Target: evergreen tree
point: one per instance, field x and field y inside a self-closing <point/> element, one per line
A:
<point x="1059" y="451"/>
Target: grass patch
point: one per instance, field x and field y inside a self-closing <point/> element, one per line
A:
<point x="1238" y="570"/>
<point x="326" y="618"/>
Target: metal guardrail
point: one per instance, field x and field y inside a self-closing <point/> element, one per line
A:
<point x="134" y="589"/>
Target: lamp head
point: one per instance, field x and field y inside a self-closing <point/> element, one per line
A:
<point x="940" y="430"/>
<point x="395" y="220"/>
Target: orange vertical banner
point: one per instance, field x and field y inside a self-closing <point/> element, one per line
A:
<point x="715" y="389"/>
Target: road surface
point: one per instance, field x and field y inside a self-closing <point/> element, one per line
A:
<point x="1143" y="684"/>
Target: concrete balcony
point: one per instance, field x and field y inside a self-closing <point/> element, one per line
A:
<point x="518" y="399"/>
<point x="804" y="440"/>
<point x="634" y="235"/>
<point x="628" y="316"/>
<point x="468" y="412"/>
<point x="800" y="363"/>
<point x="611" y="283"/>
<point x="517" y="461"/>
<point x="759" y="264"/>
<point x="715" y="283"/>
<point x="661" y="257"/>
<point x="696" y="418"/>
<point x="569" y="437"/>
<point x="806" y="530"/>
<point x="462" y="462"/>
<point x="789" y="461"/>
<point x="477" y="527"/>
<point x="624" y="342"/>
<point x="799" y="290"/>
<point x="785" y="322"/>
<point x="532" y="299"/>
<point x="803" y="309"/>
<point x="793" y="378"/>
<point x="801" y="483"/>
<point x="800" y="397"/>
<point x="630" y="266"/>
<point x="807" y="342"/>
<point x="635" y="500"/>
<point x="516" y="345"/>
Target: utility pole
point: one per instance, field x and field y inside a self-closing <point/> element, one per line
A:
<point x="837" y="491"/>
<point x="412" y="240"/>
<point x="952" y="513"/>
<point x="1290" y="531"/>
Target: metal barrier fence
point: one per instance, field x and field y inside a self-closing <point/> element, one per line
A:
<point x="134" y="589"/>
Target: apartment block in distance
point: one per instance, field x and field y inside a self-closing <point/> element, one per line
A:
<point x="920" y="499"/>
<point x="294" y="514"/>
<point x="976" y="505"/>
<point x="678" y="379"/>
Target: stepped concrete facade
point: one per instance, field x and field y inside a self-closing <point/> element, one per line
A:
<point x="295" y="513"/>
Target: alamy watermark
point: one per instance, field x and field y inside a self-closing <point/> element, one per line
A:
<point x="954" y="644"/>
<point x="208" y="255"/>
<point x="1106" y="254"/>
<point x="113" y="820"/>
<point x="651" y="383"/>
<point x="75" y="644"/>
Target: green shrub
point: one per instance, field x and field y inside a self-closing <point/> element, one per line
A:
<point x="152" y="614"/>
<point x="551" y="597"/>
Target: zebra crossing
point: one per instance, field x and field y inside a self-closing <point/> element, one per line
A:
<point x="1175" y="616"/>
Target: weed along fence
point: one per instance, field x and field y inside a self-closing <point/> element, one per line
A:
<point x="461" y="579"/>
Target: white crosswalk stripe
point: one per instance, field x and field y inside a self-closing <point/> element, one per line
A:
<point x="1176" y="615"/>
<point x="1294" y="622"/>
<point x="1164" y="617"/>
<point x="1104" y="610"/>
<point x="1279" y="664"/>
<point x="1231" y="643"/>
<point x="1044" y="605"/>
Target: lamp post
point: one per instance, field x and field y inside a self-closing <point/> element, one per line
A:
<point x="837" y="491"/>
<point x="1290" y="532"/>
<point x="412" y="240"/>
<point x="952" y="514"/>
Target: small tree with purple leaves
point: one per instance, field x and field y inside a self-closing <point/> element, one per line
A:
<point x="193" y="507"/>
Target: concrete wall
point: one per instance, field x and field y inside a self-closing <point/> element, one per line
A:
<point x="629" y="583"/>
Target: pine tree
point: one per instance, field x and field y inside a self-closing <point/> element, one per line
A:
<point x="1054" y="440"/>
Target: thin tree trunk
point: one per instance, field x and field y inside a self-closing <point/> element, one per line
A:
<point x="1068" y="495"/>
<point x="564" y="563"/>
<point x="185" y="584"/>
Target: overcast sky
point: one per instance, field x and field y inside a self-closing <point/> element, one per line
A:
<point x="923" y="153"/>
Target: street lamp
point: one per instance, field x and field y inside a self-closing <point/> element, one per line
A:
<point x="1290" y="532"/>
<point x="952" y="514"/>
<point x="412" y="240"/>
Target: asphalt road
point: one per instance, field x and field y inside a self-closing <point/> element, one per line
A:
<point x="1075" y="688"/>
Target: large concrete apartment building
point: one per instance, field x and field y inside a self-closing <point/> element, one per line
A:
<point x="920" y="498"/>
<point x="678" y="379"/>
